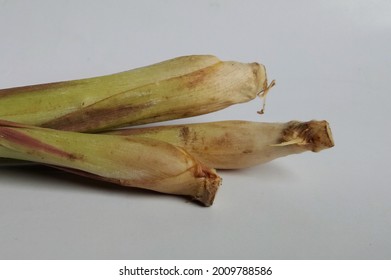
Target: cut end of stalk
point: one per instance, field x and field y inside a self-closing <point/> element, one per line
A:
<point x="211" y="184"/>
<point x="313" y="135"/>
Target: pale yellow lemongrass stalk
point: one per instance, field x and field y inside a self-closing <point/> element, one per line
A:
<point x="177" y="88"/>
<point x="240" y="144"/>
<point x="128" y="161"/>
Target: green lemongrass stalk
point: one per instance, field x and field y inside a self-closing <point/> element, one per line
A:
<point x="181" y="87"/>
<point x="240" y="144"/>
<point x="236" y="144"/>
<point x="128" y="161"/>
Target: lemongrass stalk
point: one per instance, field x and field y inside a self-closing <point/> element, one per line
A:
<point x="240" y="144"/>
<point x="237" y="144"/>
<point x="177" y="88"/>
<point x="128" y="161"/>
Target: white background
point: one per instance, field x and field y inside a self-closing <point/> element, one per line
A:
<point x="331" y="60"/>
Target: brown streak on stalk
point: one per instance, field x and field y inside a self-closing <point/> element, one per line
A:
<point x="224" y="140"/>
<point x="195" y="78"/>
<point x="89" y="119"/>
<point x="22" y="139"/>
<point x="183" y="112"/>
<point x="184" y="133"/>
<point x="35" y="88"/>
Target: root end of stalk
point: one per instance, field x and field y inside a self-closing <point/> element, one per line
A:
<point x="313" y="135"/>
<point x="211" y="184"/>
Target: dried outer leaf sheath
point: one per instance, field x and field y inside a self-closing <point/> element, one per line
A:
<point x="137" y="162"/>
<point x="239" y="144"/>
<point x="181" y="87"/>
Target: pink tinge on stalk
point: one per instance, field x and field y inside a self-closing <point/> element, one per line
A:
<point x="19" y="138"/>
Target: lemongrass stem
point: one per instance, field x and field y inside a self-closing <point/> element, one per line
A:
<point x="239" y="144"/>
<point x="236" y="144"/>
<point x="128" y="161"/>
<point x="177" y="88"/>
